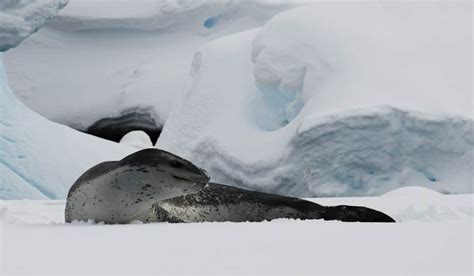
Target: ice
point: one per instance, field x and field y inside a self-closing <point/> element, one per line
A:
<point x="308" y="105"/>
<point x="109" y="57"/>
<point x="40" y="159"/>
<point x="210" y="22"/>
<point x="312" y="105"/>
<point x="18" y="19"/>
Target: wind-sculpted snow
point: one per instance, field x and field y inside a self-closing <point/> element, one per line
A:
<point x="138" y="139"/>
<point x="373" y="151"/>
<point x="359" y="153"/>
<point x="109" y="57"/>
<point x="156" y="15"/>
<point x="41" y="159"/>
<point x="20" y="18"/>
<point x="313" y="105"/>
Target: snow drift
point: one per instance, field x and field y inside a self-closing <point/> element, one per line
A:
<point x="110" y="57"/>
<point x="138" y="139"/>
<point x="18" y="19"/>
<point x="40" y="159"/>
<point x="312" y="105"/>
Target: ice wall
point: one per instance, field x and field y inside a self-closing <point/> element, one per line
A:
<point x="38" y="158"/>
<point x="336" y="99"/>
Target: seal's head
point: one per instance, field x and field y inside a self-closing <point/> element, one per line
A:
<point x="125" y="190"/>
<point x="166" y="161"/>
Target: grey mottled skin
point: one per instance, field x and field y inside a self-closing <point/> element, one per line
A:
<point x="123" y="191"/>
<point x="156" y="186"/>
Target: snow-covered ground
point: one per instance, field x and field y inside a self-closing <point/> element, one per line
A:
<point x="433" y="236"/>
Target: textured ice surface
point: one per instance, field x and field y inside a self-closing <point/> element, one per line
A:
<point x="312" y="105"/>
<point x="20" y="18"/>
<point x="112" y="56"/>
<point x="39" y="158"/>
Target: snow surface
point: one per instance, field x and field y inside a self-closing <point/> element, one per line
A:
<point x="313" y="105"/>
<point x="108" y="57"/>
<point x="20" y="18"/>
<point x="433" y="236"/>
<point x="39" y="159"/>
<point x="308" y="105"/>
<point x="138" y="139"/>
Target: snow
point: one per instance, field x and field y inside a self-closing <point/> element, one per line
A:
<point x="307" y="105"/>
<point x="39" y="159"/>
<point x="18" y="19"/>
<point x="312" y="105"/>
<point x="138" y="139"/>
<point x="108" y="57"/>
<point x="433" y="236"/>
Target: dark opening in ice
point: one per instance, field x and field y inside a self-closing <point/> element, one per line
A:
<point x="114" y="128"/>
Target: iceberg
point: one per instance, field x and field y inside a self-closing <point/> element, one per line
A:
<point x="40" y="159"/>
<point x="312" y="105"/>
<point x="113" y="57"/>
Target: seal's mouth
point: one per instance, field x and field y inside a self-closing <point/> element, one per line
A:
<point x="201" y="177"/>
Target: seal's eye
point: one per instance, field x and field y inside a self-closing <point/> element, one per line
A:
<point x="176" y="164"/>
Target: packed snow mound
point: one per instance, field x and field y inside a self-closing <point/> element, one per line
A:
<point x="414" y="204"/>
<point x="20" y="18"/>
<point x="419" y="193"/>
<point x="41" y="159"/>
<point x="423" y="205"/>
<point x="110" y="57"/>
<point x="409" y="55"/>
<point x="154" y="15"/>
<point x="138" y="139"/>
<point x="312" y="105"/>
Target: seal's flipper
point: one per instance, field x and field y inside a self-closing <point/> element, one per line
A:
<point x="354" y="214"/>
<point x="216" y="202"/>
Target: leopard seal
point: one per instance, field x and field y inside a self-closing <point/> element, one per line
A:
<point x="153" y="185"/>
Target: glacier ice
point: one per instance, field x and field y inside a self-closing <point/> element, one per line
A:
<point x="307" y="105"/>
<point x="38" y="158"/>
<point x="154" y="40"/>
<point x="312" y="105"/>
<point x="19" y="18"/>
